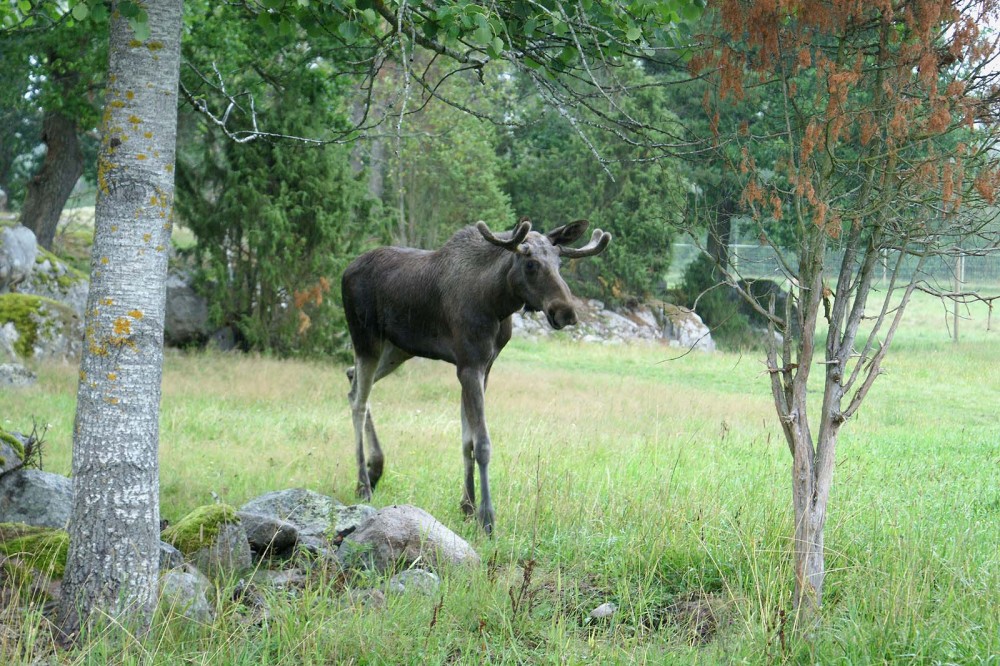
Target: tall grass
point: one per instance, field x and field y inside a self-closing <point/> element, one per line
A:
<point x="635" y="475"/>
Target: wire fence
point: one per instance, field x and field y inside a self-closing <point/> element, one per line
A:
<point x="761" y="261"/>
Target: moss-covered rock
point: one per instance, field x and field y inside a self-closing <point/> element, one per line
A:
<point x="44" y="549"/>
<point x="56" y="279"/>
<point x="211" y="536"/>
<point x="13" y="442"/>
<point x="45" y="327"/>
<point x="200" y="527"/>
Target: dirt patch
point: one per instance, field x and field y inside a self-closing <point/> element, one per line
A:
<point x="698" y="616"/>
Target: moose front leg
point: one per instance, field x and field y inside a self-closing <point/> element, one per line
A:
<point x="473" y="380"/>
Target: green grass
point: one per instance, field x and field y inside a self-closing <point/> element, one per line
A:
<point x="627" y="474"/>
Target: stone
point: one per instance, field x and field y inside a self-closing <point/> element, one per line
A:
<point x="212" y="538"/>
<point x="414" y="580"/>
<point x="15" y="375"/>
<point x="397" y="537"/>
<point x="281" y="579"/>
<point x="11" y="450"/>
<point x="18" y="249"/>
<point x="268" y="535"/>
<point x="604" y="611"/>
<point x="353" y="516"/>
<point x="55" y="279"/>
<point x="310" y="512"/>
<point x="45" y="328"/>
<point x="685" y="329"/>
<point x="37" y="498"/>
<point x="170" y="557"/>
<point x="184" y="592"/>
<point x="186" y="318"/>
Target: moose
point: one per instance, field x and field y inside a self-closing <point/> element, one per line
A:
<point x="452" y="304"/>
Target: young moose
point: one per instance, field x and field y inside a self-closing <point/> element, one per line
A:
<point x="453" y="304"/>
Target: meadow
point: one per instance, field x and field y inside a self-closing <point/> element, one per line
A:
<point x="639" y="475"/>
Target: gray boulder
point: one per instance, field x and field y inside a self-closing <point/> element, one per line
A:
<point x="354" y="516"/>
<point x="268" y="535"/>
<point x="186" y="318"/>
<point x="11" y="450"/>
<point x="55" y="279"/>
<point x="213" y="539"/>
<point x="400" y="536"/>
<point x="36" y="498"/>
<point x="184" y="592"/>
<point x="18" y="249"/>
<point x="42" y="327"/>
<point x="310" y="512"/>
<point x="684" y="328"/>
<point x="16" y="375"/>
<point x="415" y="580"/>
<point x="170" y="557"/>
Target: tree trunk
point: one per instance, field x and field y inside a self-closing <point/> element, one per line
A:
<point x="112" y="565"/>
<point x="49" y="189"/>
<point x="720" y="230"/>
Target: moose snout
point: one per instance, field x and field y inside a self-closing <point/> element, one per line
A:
<point x="560" y="315"/>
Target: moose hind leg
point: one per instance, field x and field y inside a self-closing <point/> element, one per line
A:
<point x="391" y="358"/>
<point x="468" y="448"/>
<point x="361" y="386"/>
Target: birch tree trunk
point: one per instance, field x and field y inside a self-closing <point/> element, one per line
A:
<point x="112" y="566"/>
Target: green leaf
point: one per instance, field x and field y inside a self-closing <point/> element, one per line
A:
<point x="140" y="28"/>
<point x="128" y="9"/>
<point x="633" y="33"/>
<point x="80" y="11"/>
<point x="25" y="6"/>
<point x="349" y="30"/>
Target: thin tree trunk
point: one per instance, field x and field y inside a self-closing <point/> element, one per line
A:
<point x="112" y="565"/>
<point x="49" y="189"/>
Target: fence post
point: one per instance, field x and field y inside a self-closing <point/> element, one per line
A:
<point x="959" y="279"/>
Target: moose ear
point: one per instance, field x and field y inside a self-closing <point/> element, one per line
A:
<point x="568" y="233"/>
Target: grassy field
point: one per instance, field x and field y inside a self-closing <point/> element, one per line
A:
<point x="635" y="475"/>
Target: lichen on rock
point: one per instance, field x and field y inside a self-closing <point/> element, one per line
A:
<point x="44" y="326"/>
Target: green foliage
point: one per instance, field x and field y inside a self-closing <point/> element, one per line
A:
<point x="447" y="173"/>
<point x="703" y="291"/>
<point x="276" y="221"/>
<point x="637" y="195"/>
<point x="199" y="528"/>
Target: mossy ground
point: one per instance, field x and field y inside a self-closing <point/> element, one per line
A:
<point x="198" y="529"/>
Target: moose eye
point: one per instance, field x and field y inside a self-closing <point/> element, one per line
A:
<point x="531" y="265"/>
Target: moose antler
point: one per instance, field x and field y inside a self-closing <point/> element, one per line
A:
<point x="597" y="243"/>
<point x="520" y="231"/>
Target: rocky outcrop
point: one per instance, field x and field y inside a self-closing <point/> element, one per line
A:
<point x="186" y="319"/>
<point x="213" y="539"/>
<point x="38" y="327"/>
<point x="655" y="322"/>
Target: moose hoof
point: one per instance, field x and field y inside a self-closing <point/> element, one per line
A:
<point x="486" y="519"/>
<point x="468" y="508"/>
<point x="364" y="492"/>
<point x="374" y="472"/>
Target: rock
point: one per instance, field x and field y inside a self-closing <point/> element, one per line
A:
<point x="399" y="536"/>
<point x="186" y="318"/>
<point x="18" y="249"/>
<point x="604" y="611"/>
<point x="685" y="329"/>
<point x="185" y="592"/>
<point x="414" y="580"/>
<point x="223" y="340"/>
<point x="11" y="450"/>
<point x="281" y="579"/>
<point x="55" y="279"/>
<point x="36" y="498"/>
<point x="170" y="557"/>
<point x="351" y="516"/>
<point x="655" y="322"/>
<point x="211" y="536"/>
<point x="16" y="375"/>
<point x="310" y="512"/>
<point x="268" y="535"/>
<point x="44" y="328"/>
